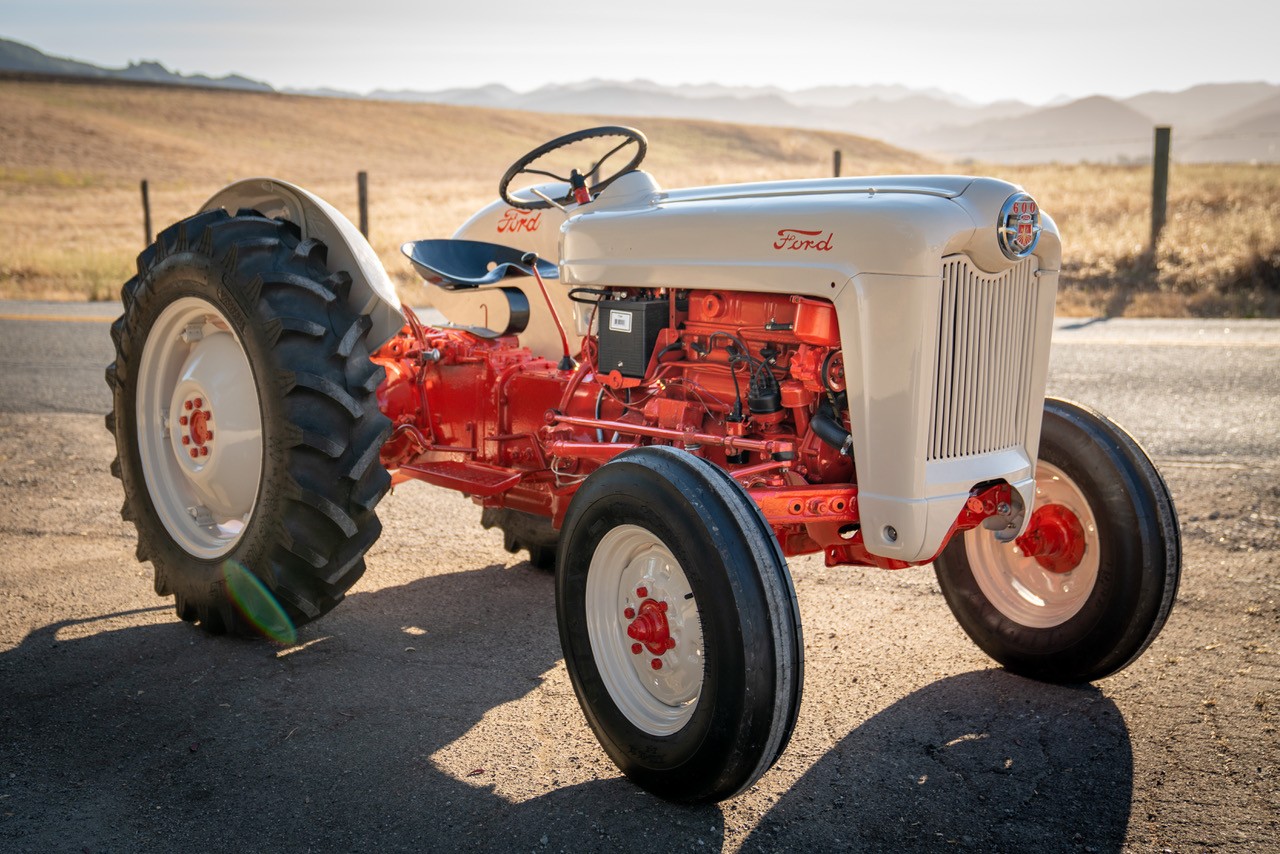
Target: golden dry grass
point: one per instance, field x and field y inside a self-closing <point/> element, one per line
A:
<point x="1218" y="256"/>
<point x="72" y="154"/>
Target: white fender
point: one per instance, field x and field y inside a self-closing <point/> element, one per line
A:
<point x="371" y="293"/>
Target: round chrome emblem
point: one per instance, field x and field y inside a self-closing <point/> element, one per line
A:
<point x="1019" y="226"/>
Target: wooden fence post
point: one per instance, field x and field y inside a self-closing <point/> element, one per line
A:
<point x="1160" y="183"/>
<point x="835" y="162"/>
<point x="146" y="214"/>
<point x="362" y="185"/>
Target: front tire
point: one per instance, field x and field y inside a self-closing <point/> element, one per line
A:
<point x="246" y="425"/>
<point x="1090" y="584"/>
<point x="679" y="625"/>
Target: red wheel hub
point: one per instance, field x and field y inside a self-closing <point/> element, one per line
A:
<point x="197" y="426"/>
<point x="651" y="629"/>
<point x="1055" y="538"/>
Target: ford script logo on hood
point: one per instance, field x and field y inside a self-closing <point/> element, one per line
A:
<point x="797" y="238"/>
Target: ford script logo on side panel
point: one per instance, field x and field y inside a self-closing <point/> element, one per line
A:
<point x="1019" y="226"/>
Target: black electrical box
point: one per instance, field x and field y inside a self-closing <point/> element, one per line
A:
<point x="628" y="330"/>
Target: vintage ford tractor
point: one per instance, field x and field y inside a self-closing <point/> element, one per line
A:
<point x="661" y="394"/>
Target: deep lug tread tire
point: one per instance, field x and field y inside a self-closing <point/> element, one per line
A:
<point x="750" y="623"/>
<point x="314" y="516"/>
<point x="1139" y="568"/>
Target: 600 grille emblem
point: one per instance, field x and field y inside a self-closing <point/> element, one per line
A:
<point x="1019" y="226"/>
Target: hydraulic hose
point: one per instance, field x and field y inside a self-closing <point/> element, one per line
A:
<point x="828" y="429"/>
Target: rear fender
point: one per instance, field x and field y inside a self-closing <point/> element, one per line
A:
<point x="372" y="293"/>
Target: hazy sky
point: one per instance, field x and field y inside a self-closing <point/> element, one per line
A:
<point x="1032" y="51"/>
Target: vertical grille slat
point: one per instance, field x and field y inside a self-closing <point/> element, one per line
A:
<point x="982" y="369"/>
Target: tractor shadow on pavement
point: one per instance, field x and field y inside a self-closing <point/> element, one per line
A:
<point x="150" y="737"/>
<point x="982" y="761"/>
<point x="124" y="737"/>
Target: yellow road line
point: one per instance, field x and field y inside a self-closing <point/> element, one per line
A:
<point x="56" y="318"/>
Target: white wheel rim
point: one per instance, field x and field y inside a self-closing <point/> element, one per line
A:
<point x="1016" y="584"/>
<point x="630" y="567"/>
<point x="205" y="498"/>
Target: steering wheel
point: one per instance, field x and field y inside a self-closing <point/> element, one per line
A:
<point x="579" y="191"/>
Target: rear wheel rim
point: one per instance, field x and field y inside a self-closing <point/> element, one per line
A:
<point x="640" y="610"/>
<point x="199" y="427"/>
<point x="1017" y="584"/>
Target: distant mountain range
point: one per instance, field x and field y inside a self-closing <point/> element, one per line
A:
<point x="18" y="57"/>
<point x="1216" y="122"/>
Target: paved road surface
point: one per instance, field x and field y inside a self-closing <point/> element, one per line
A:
<point x="431" y="711"/>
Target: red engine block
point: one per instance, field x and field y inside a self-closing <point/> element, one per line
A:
<point x="752" y="382"/>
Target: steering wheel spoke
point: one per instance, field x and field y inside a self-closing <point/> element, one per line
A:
<point x="524" y="164"/>
<point x="547" y="174"/>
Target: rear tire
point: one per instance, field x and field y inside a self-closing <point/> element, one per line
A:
<point x="526" y="531"/>
<point x="679" y="625"/>
<point x="247" y="429"/>
<point x="1085" y="616"/>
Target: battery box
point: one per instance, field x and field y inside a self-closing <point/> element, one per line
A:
<point x="627" y="332"/>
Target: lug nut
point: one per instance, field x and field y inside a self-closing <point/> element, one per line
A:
<point x="187" y="406"/>
<point x="208" y="414"/>
<point x="199" y="403"/>
<point x="204" y="452"/>
<point x="656" y="664"/>
<point x="662" y="605"/>
<point x="630" y="613"/>
<point x="186" y="440"/>
<point x="642" y="592"/>
<point x="208" y="437"/>
<point x="635" y="648"/>
<point x="194" y="453"/>
<point x="183" y="421"/>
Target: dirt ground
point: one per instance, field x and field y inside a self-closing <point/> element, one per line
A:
<point x="432" y="710"/>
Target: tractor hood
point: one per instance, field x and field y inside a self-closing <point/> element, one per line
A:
<point x="788" y="236"/>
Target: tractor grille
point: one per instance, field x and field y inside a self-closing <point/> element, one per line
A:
<point x="986" y="341"/>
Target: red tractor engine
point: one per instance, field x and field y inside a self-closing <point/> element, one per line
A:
<point x="753" y="382"/>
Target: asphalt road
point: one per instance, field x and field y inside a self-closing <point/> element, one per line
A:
<point x="432" y="711"/>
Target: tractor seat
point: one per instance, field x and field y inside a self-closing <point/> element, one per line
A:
<point x="459" y="264"/>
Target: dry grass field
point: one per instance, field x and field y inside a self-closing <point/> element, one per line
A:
<point x="72" y="155"/>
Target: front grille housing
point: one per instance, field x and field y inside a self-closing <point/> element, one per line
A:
<point x="984" y="365"/>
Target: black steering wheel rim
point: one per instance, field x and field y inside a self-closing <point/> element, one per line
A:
<point x="521" y="166"/>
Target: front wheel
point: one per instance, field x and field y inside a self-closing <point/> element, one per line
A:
<point x="1086" y="589"/>
<point x="679" y="625"/>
